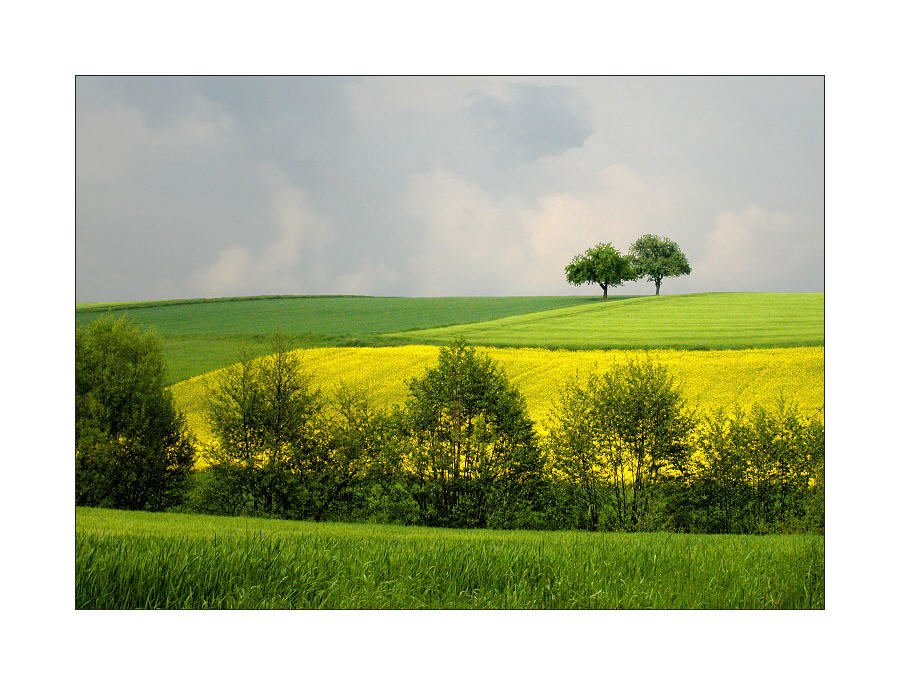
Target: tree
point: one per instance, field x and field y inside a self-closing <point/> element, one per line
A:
<point x="265" y="418"/>
<point x="472" y="446"/>
<point x="132" y="450"/>
<point x="755" y="472"/>
<point x="619" y="436"/>
<point x="657" y="258"/>
<point x="601" y="264"/>
<point x="575" y="449"/>
<point x="280" y="448"/>
<point x="358" y="440"/>
<point x="725" y="446"/>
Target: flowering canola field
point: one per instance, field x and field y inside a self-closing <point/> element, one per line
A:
<point x="708" y="379"/>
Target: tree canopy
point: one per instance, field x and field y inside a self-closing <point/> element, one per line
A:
<point x="657" y="258"/>
<point x="617" y="436"/>
<point x="282" y="448"/>
<point x="472" y="446"/>
<point x="601" y="264"/>
<point x="131" y="447"/>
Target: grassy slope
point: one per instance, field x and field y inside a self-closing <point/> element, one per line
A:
<point x="202" y="335"/>
<point x="702" y="321"/>
<point x="708" y="379"/>
<point x="129" y="560"/>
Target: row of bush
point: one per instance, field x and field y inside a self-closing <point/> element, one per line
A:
<point x="622" y="451"/>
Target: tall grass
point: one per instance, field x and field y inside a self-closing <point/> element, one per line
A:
<point x="128" y="560"/>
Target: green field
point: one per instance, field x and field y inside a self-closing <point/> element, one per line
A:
<point x="701" y="321"/>
<point x="132" y="560"/>
<point x="203" y="335"/>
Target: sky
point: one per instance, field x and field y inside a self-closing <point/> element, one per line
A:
<point x="423" y="186"/>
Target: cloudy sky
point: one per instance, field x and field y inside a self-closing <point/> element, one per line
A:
<point x="203" y="187"/>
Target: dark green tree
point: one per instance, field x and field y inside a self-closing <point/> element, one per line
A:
<point x="266" y="421"/>
<point x="657" y="258"/>
<point x="359" y="449"/>
<point x="575" y="447"/>
<point x="472" y="447"/>
<point x="787" y="452"/>
<point x="756" y="472"/>
<point x="132" y="450"/>
<point x="280" y="448"/>
<point x="601" y="264"/>
<point x="725" y="444"/>
<point x="619" y="435"/>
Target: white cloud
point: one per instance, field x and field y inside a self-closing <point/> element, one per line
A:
<point x="370" y="279"/>
<point x="475" y="243"/>
<point x="753" y="249"/>
<point x="292" y="262"/>
<point x="113" y="137"/>
<point x="226" y="276"/>
<point x="413" y="188"/>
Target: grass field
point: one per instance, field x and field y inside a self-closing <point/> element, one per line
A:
<point x="136" y="560"/>
<point x="203" y="335"/>
<point x="702" y="321"/>
<point x="708" y="379"/>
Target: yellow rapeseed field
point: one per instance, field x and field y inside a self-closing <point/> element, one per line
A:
<point x="707" y="379"/>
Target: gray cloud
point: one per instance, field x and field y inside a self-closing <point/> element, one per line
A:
<point x="443" y="186"/>
<point x="537" y="121"/>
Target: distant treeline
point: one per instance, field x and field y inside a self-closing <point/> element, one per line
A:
<point x="622" y="452"/>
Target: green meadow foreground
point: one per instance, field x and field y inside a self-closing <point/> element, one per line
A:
<point x="138" y="560"/>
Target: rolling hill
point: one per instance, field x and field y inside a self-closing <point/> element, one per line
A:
<point x="702" y="321"/>
<point x="202" y="335"/>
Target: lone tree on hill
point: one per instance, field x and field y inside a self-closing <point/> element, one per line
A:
<point x="656" y="258"/>
<point x="601" y="264"/>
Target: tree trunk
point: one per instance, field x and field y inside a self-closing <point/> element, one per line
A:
<point x="658" y="281"/>
<point x="604" y="286"/>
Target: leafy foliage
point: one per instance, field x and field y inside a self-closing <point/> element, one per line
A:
<point x="472" y="448"/>
<point x="618" y="436"/>
<point x="658" y="258"/>
<point x="131" y="448"/>
<point x="756" y="472"/>
<point x="263" y="414"/>
<point x="279" y="448"/>
<point x="601" y="264"/>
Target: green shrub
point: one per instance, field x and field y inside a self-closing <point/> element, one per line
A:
<point x="132" y="450"/>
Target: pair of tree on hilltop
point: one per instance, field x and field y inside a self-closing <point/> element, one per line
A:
<point x="650" y="256"/>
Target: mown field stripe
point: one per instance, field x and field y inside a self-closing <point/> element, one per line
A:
<point x="698" y="321"/>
